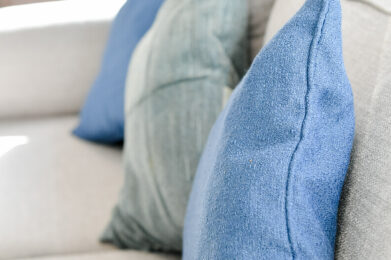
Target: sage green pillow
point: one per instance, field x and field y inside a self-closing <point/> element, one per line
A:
<point x="174" y="93"/>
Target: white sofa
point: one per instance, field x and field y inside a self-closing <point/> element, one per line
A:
<point x="56" y="191"/>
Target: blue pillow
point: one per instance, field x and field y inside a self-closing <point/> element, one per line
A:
<point x="102" y="117"/>
<point x="269" y="181"/>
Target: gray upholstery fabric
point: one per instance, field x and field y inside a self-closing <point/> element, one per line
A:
<point x="365" y="209"/>
<point x="174" y="93"/>
<point x="259" y="11"/>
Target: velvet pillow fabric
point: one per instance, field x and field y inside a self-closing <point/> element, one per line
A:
<point x="269" y="181"/>
<point x="102" y="116"/>
<point x="194" y="50"/>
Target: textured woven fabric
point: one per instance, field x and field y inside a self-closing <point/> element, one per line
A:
<point x="102" y="116"/>
<point x="365" y="212"/>
<point x="269" y="181"/>
<point x="365" y="215"/>
<point x="194" y="50"/>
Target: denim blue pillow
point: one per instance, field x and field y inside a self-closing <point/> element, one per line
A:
<point x="269" y="181"/>
<point x="102" y="116"/>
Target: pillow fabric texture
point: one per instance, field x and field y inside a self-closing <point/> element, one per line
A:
<point x="102" y="116"/>
<point x="364" y="218"/>
<point x="194" y="50"/>
<point x="365" y="210"/>
<point x="269" y="180"/>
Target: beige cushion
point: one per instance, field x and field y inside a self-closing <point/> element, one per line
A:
<point x="114" y="255"/>
<point x="56" y="191"/>
<point x="50" y="54"/>
<point x="365" y="211"/>
<point x="382" y="5"/>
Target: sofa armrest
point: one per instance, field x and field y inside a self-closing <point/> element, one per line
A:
<point x="50" y="54"/>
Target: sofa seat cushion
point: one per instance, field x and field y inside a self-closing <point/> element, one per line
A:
<point x="113" y="255"/>
<point x="56" y="191"/>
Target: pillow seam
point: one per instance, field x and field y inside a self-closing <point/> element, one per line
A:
<point x="311" y="68"/>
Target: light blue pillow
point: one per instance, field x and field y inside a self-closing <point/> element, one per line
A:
<point x="193" y="52"/>
<point x="269" y="181"/>
<point x="102" y="116"/>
